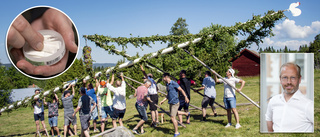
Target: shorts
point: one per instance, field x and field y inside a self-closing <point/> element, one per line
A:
<point x="105" y="111"/>
<point x="183" y="105"/>
<point x="38" y="116"/>
<point x="84" y="120"/>
<point x="174" y="109"/>
<point x="94" y="114"/>
<point x="230" y="102"/>
<point x="68" y="118"/>
<point x="118" y="113"/>
<point x="154" y="99"/>
<point x="142" y="112"/>
<point x="206" y="100"/>
<point x="53" y="121"/>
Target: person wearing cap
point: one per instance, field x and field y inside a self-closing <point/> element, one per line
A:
<point x="68" y="110"/>
<point x="84" y="106"/>
<point x="208" y="85"/>
<point x="230" y="96"/>
<point x="38" y="113"/>
<point x="91" y="91"/>
<point x="119" y="99"/>
<point x="153" y="94"/>
<point x="105" y="103"/>
<point x="185" y="83"/>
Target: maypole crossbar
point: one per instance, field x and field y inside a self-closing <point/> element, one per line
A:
<point x="155" y="54"/>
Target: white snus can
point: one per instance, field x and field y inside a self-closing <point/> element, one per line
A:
<point x="52" y="52"/>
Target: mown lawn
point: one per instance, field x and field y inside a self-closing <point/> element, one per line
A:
<point x="20" y="122"/>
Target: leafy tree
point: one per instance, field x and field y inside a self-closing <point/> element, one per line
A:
<point x="178" y="28"/>
<point x="5" y="87"/>
<point x="314" y="48"/>
<point x="317" y="38"/>
<point x="18" y="80"/>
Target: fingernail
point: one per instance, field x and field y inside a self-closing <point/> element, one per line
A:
<point x="39" y="46"/>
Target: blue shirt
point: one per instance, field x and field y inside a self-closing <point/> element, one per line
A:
<point x="92" y="94"/>
<point x="209" y="87"/>
<point x="172" y="89"/>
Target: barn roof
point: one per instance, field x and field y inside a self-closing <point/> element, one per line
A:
<point x="256" y="54"/>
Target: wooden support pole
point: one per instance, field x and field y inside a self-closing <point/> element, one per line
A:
<point x="222" y="79"/>
<point x="190" y="87"/>
<point x="152" y="102"/>
<point x="170" y="115"/>
<point x="159" y="91"/>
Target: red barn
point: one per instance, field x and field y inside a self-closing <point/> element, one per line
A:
<point x="247" y="63"/>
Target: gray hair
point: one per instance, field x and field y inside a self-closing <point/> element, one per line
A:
<point x="291" y="64"/>
<point x="147" y="81"/>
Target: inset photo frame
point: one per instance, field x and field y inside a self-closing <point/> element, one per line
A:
<point x="287" y="97"/>
<point x="42" y="42"/>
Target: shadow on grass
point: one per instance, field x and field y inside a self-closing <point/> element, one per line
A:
<point x="42" y="132"/>
<point x="199" y="116"/>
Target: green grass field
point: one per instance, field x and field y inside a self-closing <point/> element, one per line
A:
<point x="20" y="122"/>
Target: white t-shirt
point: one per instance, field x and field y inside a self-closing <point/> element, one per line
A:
<point x="229" y="92"/>
<point x="119" y="95"/>
<point x="296" y="115"/>
<point x="37" y="109"/>
<point x="153" y="88"/>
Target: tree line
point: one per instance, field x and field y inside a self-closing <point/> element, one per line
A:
<point x="313" y="47"/>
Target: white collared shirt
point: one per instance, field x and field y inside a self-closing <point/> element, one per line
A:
<point x="119" y="95"/>
<point x="296" y="115"/>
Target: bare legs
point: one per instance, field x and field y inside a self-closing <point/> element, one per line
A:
<point x="204" y="111"/>
<point x="236" y="115"/>
<point x="155" y="116"/>
<point x="140" y="124"/>
<point x="55" y="128"/>
<point x="175" y="125"/>
<point x="43" y="125"/>
<point x="186" y="113"/>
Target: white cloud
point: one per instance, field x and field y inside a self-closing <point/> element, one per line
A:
<point x="291" y="44"/>
<point x="289" y="29"/>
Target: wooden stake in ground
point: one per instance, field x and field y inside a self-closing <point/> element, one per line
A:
<point x="190" y="87"/>
<point x="222" y="78"/>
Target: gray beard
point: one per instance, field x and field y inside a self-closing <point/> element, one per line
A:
<point x="292" y="92"/>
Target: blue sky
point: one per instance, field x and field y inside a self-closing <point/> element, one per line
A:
<point x="146" y="18"/>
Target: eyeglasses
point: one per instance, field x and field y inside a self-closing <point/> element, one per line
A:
<point x="285" y="79"/>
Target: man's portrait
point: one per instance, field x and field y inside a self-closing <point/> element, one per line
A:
<point x="287" y="93"/>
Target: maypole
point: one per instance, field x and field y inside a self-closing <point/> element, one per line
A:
<point x="270" y="18"/>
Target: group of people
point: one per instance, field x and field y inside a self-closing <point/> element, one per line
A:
<point x="92" y="99"/>
<point x="178" y="96"/>
<point x="98" y="97"/>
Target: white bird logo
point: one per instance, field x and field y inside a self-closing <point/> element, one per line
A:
<point x="294" y="10"/>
